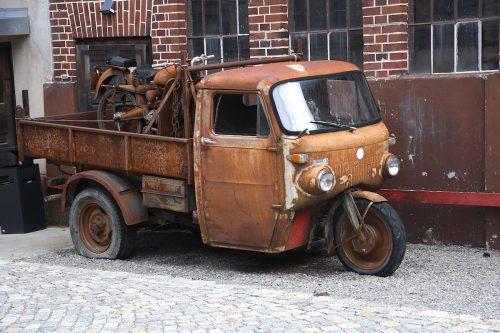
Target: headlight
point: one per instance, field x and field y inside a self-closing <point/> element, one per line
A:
<point x="325" y="180"/>
<point x="392" y="166"/>
<point x="316" y="180"/>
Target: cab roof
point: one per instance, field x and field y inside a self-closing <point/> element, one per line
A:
<point x="262" y="77"/>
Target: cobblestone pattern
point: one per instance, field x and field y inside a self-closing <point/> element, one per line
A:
<point x="44" y="298"/>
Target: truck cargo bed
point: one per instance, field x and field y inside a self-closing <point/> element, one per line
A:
<point x="75" y="140"/>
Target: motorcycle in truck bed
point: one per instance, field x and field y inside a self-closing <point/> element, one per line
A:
<point x="266" y="158"/>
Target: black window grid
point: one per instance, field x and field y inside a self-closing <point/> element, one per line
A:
<point x="456" y="21"/>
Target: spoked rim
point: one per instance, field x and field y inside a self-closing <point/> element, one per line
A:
<point x="96" y="228"/>
<point x="372" y="247"/>
<point x="113" y="103"/>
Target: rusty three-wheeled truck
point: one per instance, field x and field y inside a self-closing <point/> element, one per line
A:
<point x="271" y="155"/>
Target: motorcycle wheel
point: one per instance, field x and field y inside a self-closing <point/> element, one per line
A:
<point x="380" y="246"/>
<point x="114" y="101"/>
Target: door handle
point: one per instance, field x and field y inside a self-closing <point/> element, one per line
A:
<point x="207" y="141"/>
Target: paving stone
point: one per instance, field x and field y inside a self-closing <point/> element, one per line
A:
<point x="45" y="298"/>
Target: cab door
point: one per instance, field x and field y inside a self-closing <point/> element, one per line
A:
<point x="236" y="161"/>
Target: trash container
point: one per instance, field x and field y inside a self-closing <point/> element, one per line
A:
<point x="21" y="200"/>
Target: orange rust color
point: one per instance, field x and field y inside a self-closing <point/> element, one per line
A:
<point x="300" y="229"/>
<point x="255" y="78"/>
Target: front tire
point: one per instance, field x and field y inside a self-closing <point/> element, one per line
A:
<point x="97" y="227"/>
<point x="380" y="246"/>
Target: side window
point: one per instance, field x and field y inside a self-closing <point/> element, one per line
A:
<point x="240" y="114"/>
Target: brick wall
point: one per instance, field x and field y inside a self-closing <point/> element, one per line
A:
<point x="163" y="20"/>
<point x="385" y="30"/>
<point x="268" y="24"/>
<point x="169" y="30"/>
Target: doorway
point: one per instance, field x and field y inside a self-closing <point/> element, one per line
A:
<point x="7" y="119"/>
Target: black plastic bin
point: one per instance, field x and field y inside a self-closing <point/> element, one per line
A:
<point x="21" y="200"/>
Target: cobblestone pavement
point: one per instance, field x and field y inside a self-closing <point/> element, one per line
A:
<point x="45" y="298"/>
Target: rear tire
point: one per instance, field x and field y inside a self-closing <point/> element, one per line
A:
<point x="381" y="245"/>
<point x="97" y="227"/>
<point x="114" y="101"/>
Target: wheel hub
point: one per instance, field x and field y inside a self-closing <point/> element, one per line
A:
<point x="366" y="240"/>
<point x="99" y="226"/>
<point x="96" y="228"/>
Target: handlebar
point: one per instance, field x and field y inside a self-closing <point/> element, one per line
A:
<point x="162" y="65"/>
<point x="199" y="60"/>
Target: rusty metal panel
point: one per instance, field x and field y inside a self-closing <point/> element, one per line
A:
<point x="48" y="142"/>
<point x="337" y="151"/>
<point x="442" y="224"/>
<point x="439" y="125"/>
<point x="103" y="150"/>
<point x="262" y="77"/>
<point x="165" y="193"/>
<point x="492" y="139"/>
<point x="59" y="98"/>
<point x="120" y="151"/>
<point x="167" y="157"/>
<point x="492" y="157"/>
<point x="444" y="198"/>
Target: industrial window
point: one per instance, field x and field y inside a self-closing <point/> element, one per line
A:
<point x="240" y="114"/>
<point x="328" y="29"/>
<point x="454" y="35"/>
<point x="219" y="28"/>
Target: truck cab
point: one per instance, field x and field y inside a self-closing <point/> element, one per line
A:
<point x="275" y="147"/>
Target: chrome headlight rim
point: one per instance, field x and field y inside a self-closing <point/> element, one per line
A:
<point x="320" y="180"/>
<point x="392" y="166"/>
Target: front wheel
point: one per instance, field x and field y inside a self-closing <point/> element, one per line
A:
<point x="379" y="247"/>
<point x="97" y="227"/>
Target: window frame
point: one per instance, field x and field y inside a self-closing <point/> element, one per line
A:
<point x="349" y="30"/>
<point x="238" y="92"/>
<point x="205" y="36"/>
<point x="456" y="21"/>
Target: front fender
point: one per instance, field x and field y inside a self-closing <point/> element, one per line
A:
<point x="105" y="78"/>
<point x="370" y="196"/>
<point x="128" y="198"/>
<point x="337" y="205"/>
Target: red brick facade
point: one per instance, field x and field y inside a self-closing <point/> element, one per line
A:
<point x="268" y="23"/>
<point x="385" y="28"/>
<point x="163" y="20"/>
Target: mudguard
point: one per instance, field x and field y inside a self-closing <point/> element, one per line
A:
<point x="128" y="197"/>
<point x="105" y="78"/>
<point x="370" y="196"/>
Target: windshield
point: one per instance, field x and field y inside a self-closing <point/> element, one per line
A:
<point x="336" y="102"/>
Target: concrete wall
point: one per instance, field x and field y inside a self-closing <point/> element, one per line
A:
<point x="32" y="54"/>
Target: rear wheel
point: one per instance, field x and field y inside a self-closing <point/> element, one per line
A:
<point x="114" y="103"/>
<point x="379" y="247"/>
<point x="97" y="226"/>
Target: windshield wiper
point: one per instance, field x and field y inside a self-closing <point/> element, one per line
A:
<point x="330" y="124"/>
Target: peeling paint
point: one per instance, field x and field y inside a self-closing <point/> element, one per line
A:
<point x="345" y="180"/>
<point x="410" y="151"/>
<point x="291" y="193"/>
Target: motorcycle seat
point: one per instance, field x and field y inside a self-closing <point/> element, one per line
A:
<point x="145" y="73"/>
<point x="121" y="62"/>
